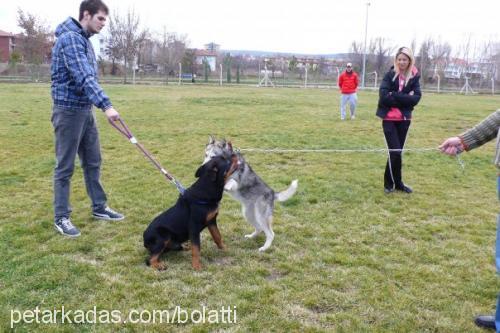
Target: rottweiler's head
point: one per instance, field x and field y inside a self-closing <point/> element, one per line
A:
<point x="218" y="169"/>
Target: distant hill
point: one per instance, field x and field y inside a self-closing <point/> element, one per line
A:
<point x="286" y="54"/>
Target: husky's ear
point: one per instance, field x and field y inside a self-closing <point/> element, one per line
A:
<point x="211" y="139"/>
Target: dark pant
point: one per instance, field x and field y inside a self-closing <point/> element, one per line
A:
<point x="76" y="132"/>
<point x="395" y="137"/>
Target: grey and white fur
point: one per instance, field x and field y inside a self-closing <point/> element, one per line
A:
<point x="256" y="197"/>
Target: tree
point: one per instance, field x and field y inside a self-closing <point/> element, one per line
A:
<point x="126" y="38"/>
<point x="206" y="69"/>
<point x="381" y="53"/>
<point x="189" y="62"/>
<point x="440" y="53"/>
<point x="15" y="58"/>
<point x="425" y="59"/>
<point x="227" y="63"/>
<point x="238" y="72"/>
<point x="35" y="44"/>
<point x="170" y="51"/>
<point x="356" y="51"/>
<point x="112" y="49"/>
<point x="292" y="64"/>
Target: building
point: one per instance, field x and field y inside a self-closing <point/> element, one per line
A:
<point x="455" y="69"/>
<point x="7" y="45"/>
<point x="459" y="69"/>
<point x="206" y="55"/>
<point x="212" y="47"/>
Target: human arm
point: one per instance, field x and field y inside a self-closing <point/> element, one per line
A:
<point x="409" y="99"/>
<point x="385" y="93"/>
<point x="475" y="137"/>
<point x="74" y="54"/>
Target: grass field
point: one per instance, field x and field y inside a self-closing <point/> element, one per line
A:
<point x="346" y="257"/>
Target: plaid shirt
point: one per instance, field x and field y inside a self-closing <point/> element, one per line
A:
<point x="74" y="70"/>
<point x="484" y="132"/>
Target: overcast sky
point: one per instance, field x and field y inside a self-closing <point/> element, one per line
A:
<point x="311" y="27"/>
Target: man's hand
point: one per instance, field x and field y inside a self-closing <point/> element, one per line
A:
<point x="452" y="146"/>
<point x="112" y="114"/>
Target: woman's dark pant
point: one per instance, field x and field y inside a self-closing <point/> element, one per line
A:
<point x="395" y="136"/>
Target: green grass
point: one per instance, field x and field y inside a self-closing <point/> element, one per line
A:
<point x="346" y="257"/>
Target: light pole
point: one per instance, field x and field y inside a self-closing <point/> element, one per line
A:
<point x="364" y="52"/>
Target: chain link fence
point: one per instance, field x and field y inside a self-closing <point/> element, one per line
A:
<point x="259" y="73"/>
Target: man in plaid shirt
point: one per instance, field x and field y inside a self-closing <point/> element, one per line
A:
<point x="75" y="90"/>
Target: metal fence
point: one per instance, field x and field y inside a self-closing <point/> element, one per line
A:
<point x="281" y="77"/>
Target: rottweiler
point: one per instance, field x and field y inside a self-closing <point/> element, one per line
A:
<point x="194" y="210"/>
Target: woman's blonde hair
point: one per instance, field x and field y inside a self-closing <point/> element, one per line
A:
<point x="408" y="73"/>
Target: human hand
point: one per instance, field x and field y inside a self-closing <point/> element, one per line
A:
<point x="112" y="114"/>
<point x="452" y="146"/>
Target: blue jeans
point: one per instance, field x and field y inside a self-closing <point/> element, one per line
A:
<point x="497" y="260"/>
<point x="76" y="133"/>
<point x="352" y="99"/>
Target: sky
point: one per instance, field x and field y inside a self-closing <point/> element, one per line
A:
<point x="305" y="27"/>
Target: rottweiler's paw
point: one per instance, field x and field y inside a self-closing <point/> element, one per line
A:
<point x="222" y="247"/>
<point x="197" y="266"/>
<point x="159" y="266"/>
<point x="186" y="246"/>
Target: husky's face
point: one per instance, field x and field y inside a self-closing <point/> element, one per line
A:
<point x="217" y="148"/>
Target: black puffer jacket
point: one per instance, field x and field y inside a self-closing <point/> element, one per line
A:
<point x="389" y="95"/>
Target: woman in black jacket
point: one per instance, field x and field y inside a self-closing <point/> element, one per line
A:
<point x="399" y="93"/>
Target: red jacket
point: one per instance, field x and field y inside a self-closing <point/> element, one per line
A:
<point x="348" y="82"/>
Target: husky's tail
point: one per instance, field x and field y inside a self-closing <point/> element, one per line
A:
<point x="288" y="193"/>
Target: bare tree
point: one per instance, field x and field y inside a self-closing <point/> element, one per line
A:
<point x="112" y="49"/>
<point x="36" y="41"/>
<point x="495" y="59"/>
<point x="189" y="62"/>
<point x="126" y="38"/>
<point x="425" y="59"/>
<point x="381" y="52"/>
<point x="170" y="50"/>
<point x="356" y="51"/>
<point x="439" y="53"/>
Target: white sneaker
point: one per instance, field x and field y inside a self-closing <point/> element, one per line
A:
<point x="107" y="214"/>
<point x="64" y="226"/>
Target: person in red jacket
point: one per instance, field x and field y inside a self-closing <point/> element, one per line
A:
<point x="348" y="84"/>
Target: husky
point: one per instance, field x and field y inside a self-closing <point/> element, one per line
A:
<point x="256" y="197"/>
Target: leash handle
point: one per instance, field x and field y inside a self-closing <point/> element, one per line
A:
<point x="125" y="131"/>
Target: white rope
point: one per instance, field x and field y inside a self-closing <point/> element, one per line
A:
<point x="359" y="150"/>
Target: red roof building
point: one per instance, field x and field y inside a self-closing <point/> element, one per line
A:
<point x="7" y="45"/>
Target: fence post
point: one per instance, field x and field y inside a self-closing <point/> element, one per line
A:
<point x="258" y="80"/>
<point x="180" y="73"/>
<point x="439" y="82"/>
<point x="220" y="77"/>
<point x="134" y="65"/>
<point x="305" y="79"/>
<point x="338" y="75"/>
